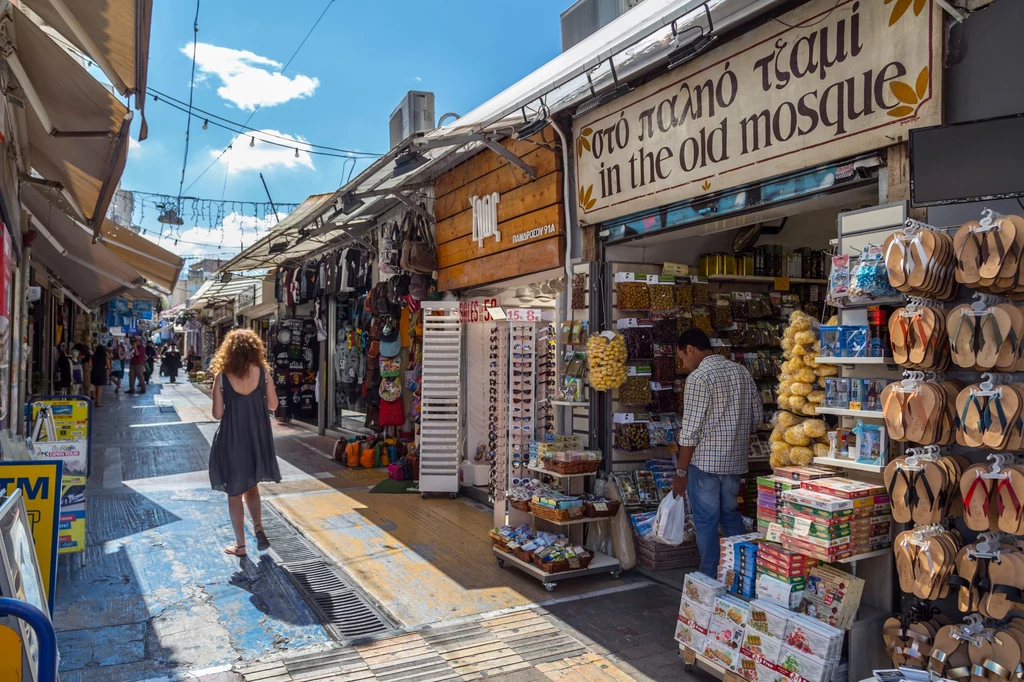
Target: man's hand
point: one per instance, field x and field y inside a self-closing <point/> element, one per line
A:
<point x="679" y="485"/>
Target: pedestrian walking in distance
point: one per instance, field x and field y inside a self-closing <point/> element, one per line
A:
<point x="242" y="454"/>
<point x="721" y="408"/>
<point x="170" y="362"/>
<point x="137" y="367"/>
<point x="100" y="372"/>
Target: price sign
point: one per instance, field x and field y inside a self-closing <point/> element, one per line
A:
<point x="675" y="270"/>
<point x="802" y="527"/>
<point x="575" y="512"/>
<point x="601" y="506"/>
<point x="774" y="533"/>
<point x="574" y="563"/>
<point x="523" y="315"/>
<point x="781" y="284"/>
<point x="513" y="545"/>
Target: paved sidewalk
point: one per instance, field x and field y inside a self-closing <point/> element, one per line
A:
<point x="158" y="594"/>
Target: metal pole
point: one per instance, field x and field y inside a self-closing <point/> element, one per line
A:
<point x="24" y="357"/>
<point x="274" y="208"/>
<point x="45" y="635"/>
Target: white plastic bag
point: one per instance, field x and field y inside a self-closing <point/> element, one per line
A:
<point x="670" y="522"/>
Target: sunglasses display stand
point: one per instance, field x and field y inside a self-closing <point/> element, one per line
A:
<point x="522" y="398"/>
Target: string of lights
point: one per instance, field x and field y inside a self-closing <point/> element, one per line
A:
<point x="191" y="91"/>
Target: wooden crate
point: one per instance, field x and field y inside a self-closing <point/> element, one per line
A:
<point x="659" y="557"/>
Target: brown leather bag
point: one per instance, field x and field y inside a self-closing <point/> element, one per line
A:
<point x="417" y="252"/>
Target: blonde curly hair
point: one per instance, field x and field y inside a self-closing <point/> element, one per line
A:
<point x="240" y="350"/>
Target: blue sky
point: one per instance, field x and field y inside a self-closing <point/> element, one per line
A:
<point x="340" y="90"/>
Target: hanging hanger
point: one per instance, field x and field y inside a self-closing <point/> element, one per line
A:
<point x="989" y="221"/>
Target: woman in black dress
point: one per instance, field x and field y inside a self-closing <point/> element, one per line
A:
<point x="100" y="371"/>
<point x="170" y="362"/>
<point x="242" y="453"/>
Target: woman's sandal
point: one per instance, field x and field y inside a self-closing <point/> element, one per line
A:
<point x="262" y="543"/>
<point x="236" y="550"/>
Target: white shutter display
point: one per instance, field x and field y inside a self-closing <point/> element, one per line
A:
<point x="441" y="408"/>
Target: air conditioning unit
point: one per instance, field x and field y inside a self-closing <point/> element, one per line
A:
<point x="414" y="114"/>
<point x="585" y="17"/>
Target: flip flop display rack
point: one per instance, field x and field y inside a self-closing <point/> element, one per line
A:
<point x="956" y="422"/>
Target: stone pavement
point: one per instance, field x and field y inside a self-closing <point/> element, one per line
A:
<point x="159" y="600"/>
<point x="157" y="593"/>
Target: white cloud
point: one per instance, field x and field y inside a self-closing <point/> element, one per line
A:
<point x="417" y="79"/>
<point x="249" y="80"/>
<point x="235" y="231"/>
<point x="263" y="155"/>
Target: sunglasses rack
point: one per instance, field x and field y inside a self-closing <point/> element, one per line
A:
<point x="522" y="396"/>
<point x="497" y="430"/>
<point x="547" y="355"/>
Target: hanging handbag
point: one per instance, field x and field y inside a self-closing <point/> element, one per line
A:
<point x="392" y="412"/>
<point x="372" y="421"/>
<point x="419" y="286"/>
<point x="417" y="252"/>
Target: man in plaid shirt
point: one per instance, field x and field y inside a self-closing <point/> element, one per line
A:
<point x="721" y="408"/>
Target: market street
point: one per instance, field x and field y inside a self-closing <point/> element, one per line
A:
<point x="158" y="596"/>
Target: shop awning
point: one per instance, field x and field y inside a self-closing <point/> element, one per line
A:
<point x="144" y="293"/>
<point x="155" y="263"/>
<point x="287" y="240"/>
<point x="214" y="292"/>
<point x="92" y="271"/>
<point x="114" y="34"/>
<point x="77" y="131"/>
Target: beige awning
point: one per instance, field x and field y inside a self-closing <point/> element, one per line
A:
<point x="153" y="262"/>
<point x="77" y="129"/>
<point x="114" y="34"/>
<point x="92" y="271"/>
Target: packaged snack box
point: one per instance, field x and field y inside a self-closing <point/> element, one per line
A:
<point x="723" y="641"/>
<point x="767" y="619"/>
<point x="803" y="473"/>
<point x="832" y="596"/>
<point x="732" y="610"/>
<point x="805" y="666"/>
<point x="768" y="648"/>
<point x="701" y="589"/>
<point x="829" y="503"/>
<point x="690" y="635"/>
<point x="771" y="673"/>
<point x="814" y="638"/>
<point x="798" y="581"/>
<point x="747" y="668"/>
<point x="695" y="613"/>
<point x="844" y="487"/>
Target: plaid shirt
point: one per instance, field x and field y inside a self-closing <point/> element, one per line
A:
<point x="722" y="408"/>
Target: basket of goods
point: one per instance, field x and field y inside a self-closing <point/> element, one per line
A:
<point x="500" y="541"/>
<point x="556" y="507"/>
<point x="600" y="508"/>
<point x="562" y="558"/>
<point x="571" y="462"/>
<point x="522" y="554"/>
<point x="521" y="505"/>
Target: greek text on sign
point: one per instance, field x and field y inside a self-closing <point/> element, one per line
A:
<point x="533" y="234"/>
<point x="825" y="82"/>
<point x="485" y="218"/>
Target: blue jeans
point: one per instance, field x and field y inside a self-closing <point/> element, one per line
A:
<point x="713" y="502"/>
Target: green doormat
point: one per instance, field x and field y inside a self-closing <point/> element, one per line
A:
<point x="396" y="487"/>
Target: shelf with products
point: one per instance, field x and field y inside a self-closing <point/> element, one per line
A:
<point x="861" y="414"/>
<point x="828" y="360"/>
<point x="850" y="464"/>
<point x="601" y="563"/>
<point x="754" y="279"/>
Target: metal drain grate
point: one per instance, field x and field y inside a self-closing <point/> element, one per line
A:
<point x="341" y="607"/>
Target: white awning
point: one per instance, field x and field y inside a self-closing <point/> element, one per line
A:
<point x="155" y="263"/>
<point x="77" y="131"/>
<point x="92" y="271"/>
<point x="113" y="34"/>
<point x="214" y="292"/>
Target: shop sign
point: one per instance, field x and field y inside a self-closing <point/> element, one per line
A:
<point x="494" y="223"/>
<point x="485" y="217"/>
<point x="475" y="310"/>
<point x="824" y="82"/>
<point x="40" y="485"/>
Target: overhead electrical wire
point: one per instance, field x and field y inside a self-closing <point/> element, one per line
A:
<point x="191" y="91"/>
<point x="283" y="69"/>
<point x="298" y="145"/>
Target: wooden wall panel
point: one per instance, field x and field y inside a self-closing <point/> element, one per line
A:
<point x="503" y="180"/>
<point x="465" y="249"/>
<point x="487" y="161"/>
<point x="534" y="256"/>
<point x="541" y="193"/>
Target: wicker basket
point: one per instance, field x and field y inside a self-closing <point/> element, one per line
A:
<point x="556" y="515"/>
<point x="563" y="566"/>
<point x="591" y="512"/>
<point x="499" y="542"/>
<point x="521" y="505"/>
<point x="571" y="468"/>
<point x="522" y="554"/>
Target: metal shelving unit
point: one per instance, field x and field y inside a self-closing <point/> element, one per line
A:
<point x="601" y="563"/>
